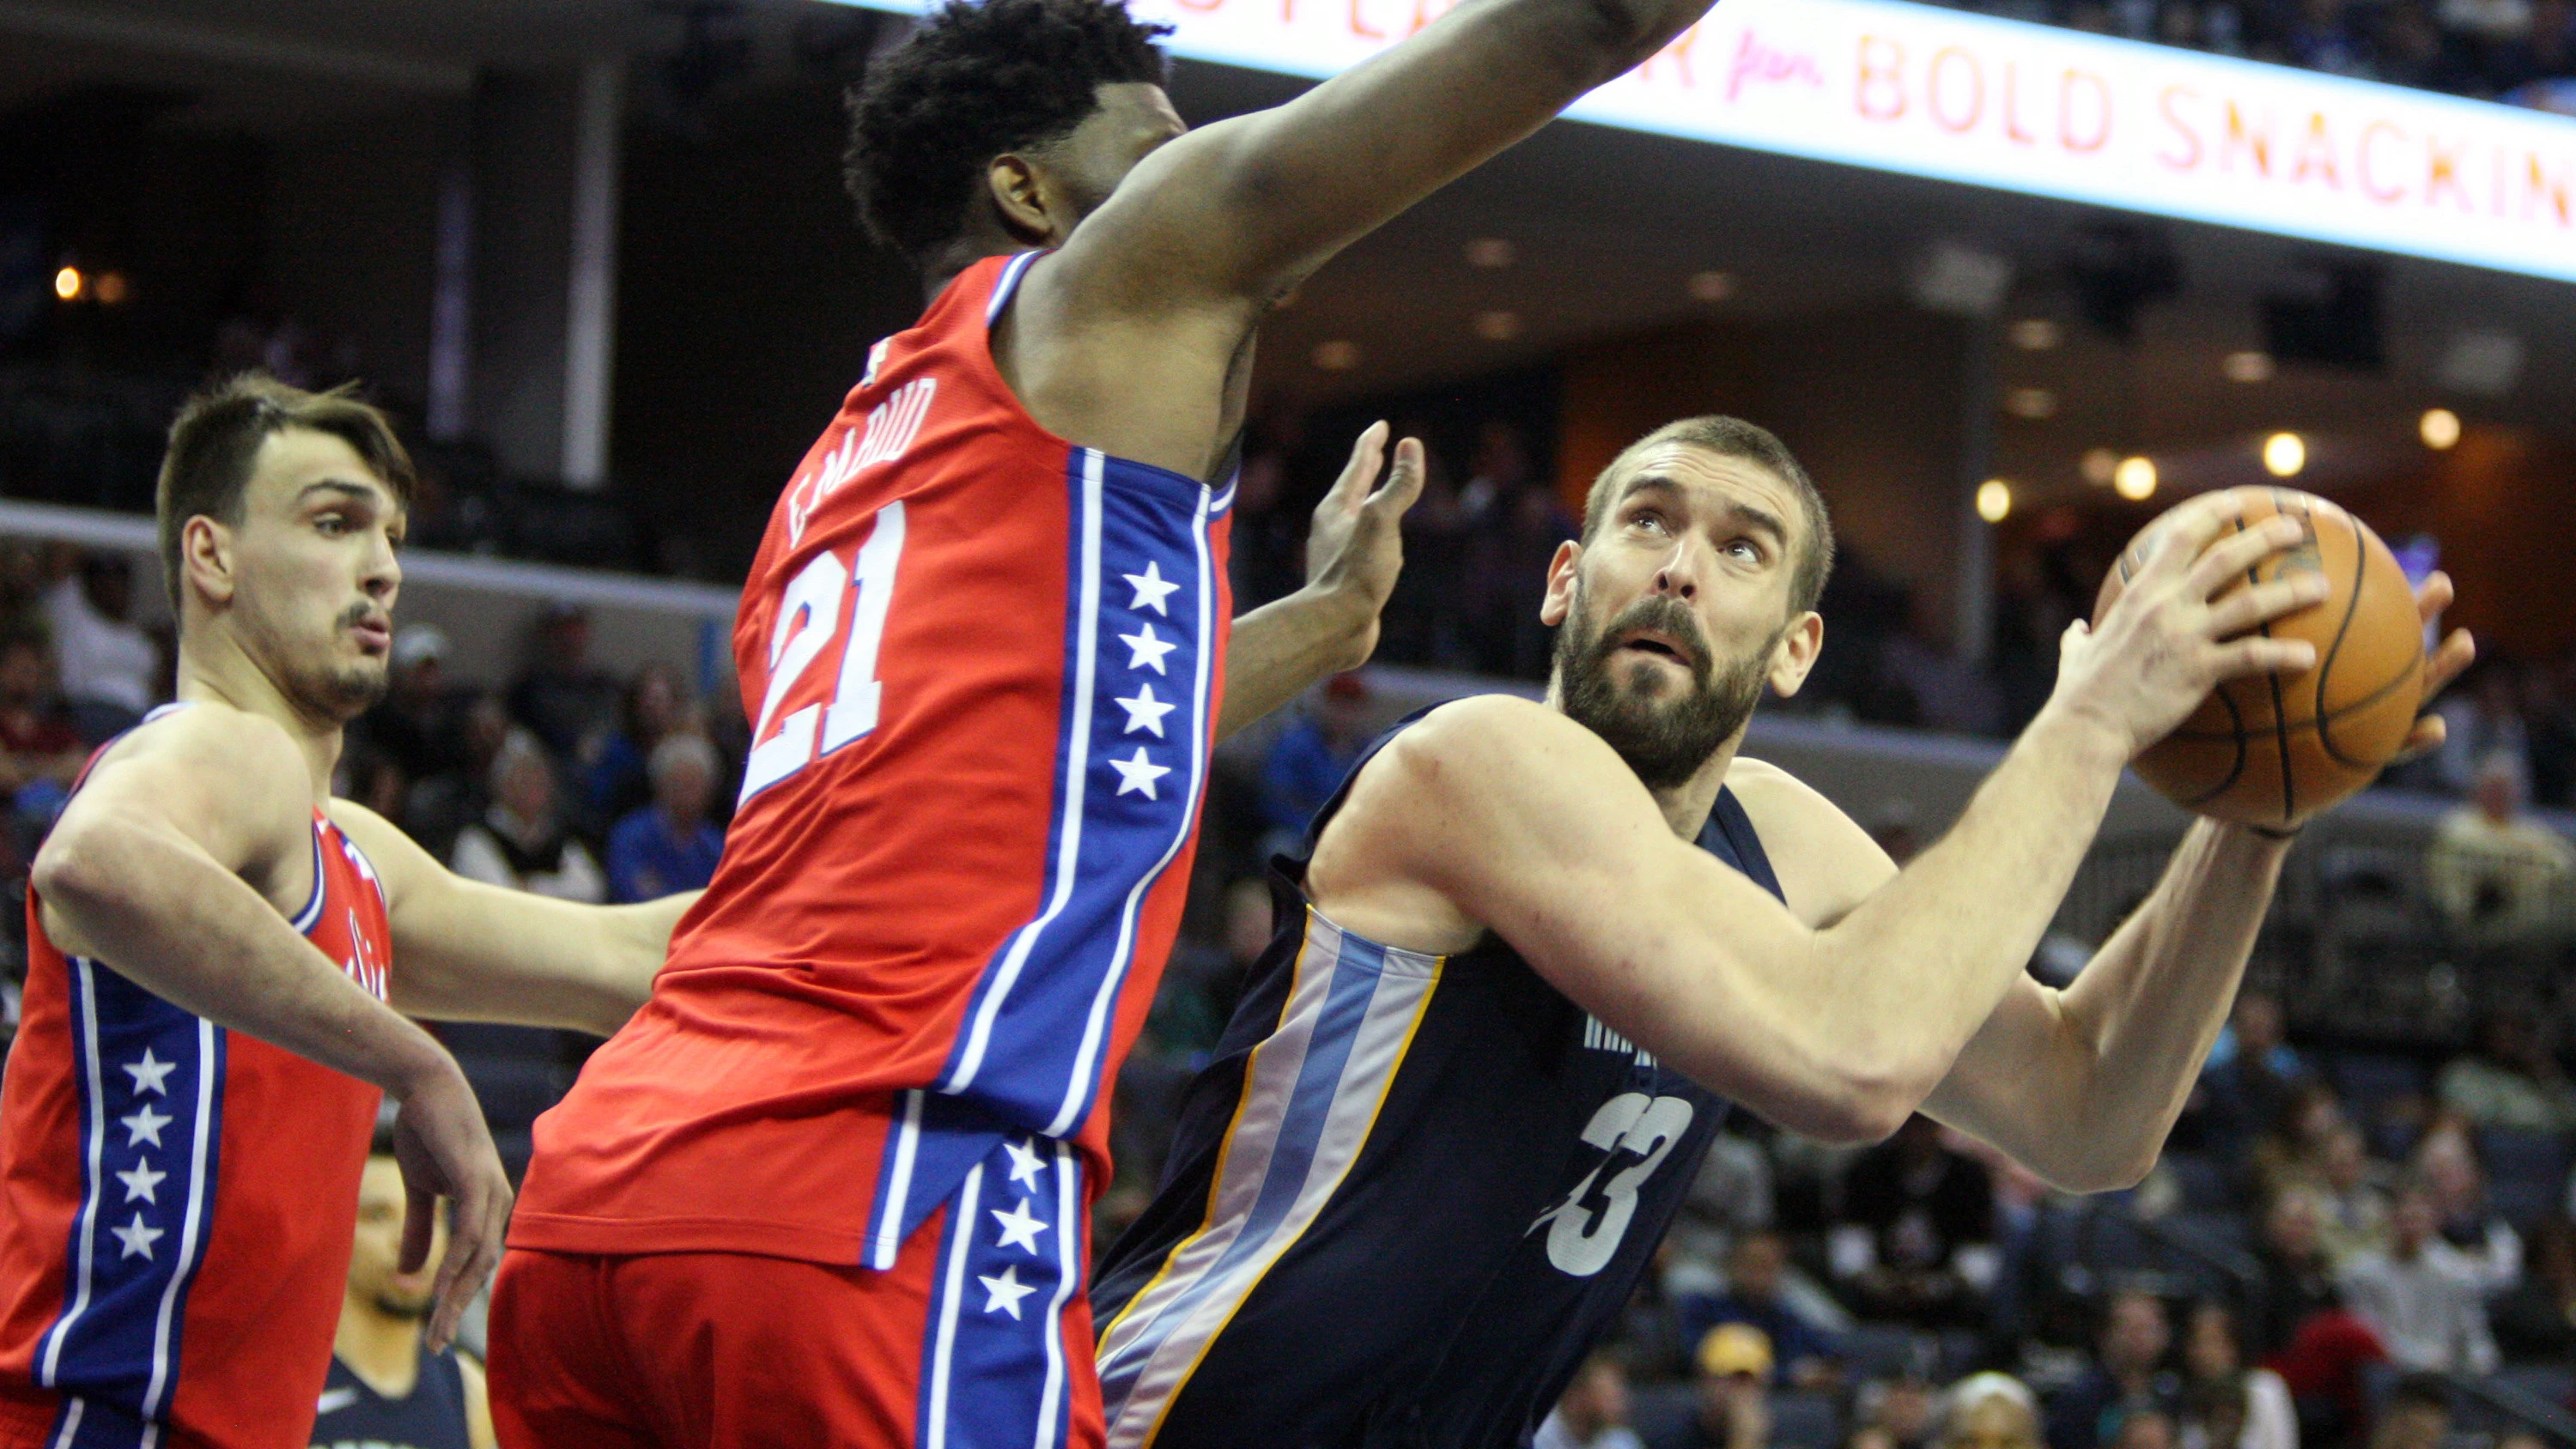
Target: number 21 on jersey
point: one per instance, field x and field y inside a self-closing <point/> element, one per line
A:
<point x="826" y="597"/>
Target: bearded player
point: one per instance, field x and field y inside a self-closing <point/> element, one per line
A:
<point x="221" y="959"/>
<point x="832" y="1183"/>
<point x="1538" y="946"/>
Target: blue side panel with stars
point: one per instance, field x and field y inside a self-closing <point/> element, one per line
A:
<point x="1140" y="653"/>
<point x="995" y="1351"/>
<point x="151" y="1109"/>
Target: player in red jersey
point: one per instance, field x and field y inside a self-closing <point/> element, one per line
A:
<point x="220" y="957"/>
<point x="831" y="1185"/>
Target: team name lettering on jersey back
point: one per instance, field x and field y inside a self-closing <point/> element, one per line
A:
<point x="890" y="428"/>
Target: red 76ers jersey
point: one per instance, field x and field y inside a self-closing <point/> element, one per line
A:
<point x="982" y="668"/>
<point x="179" y="1200"/>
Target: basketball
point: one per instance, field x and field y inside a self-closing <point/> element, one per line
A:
<point x="2272" y="749"/>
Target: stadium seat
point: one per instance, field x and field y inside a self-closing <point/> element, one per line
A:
<point x="2526" y="1172"/>
<point x="1885" y="1351"/>
<point x="1658" y="1411"/>
<point x="1805" y="1421"/>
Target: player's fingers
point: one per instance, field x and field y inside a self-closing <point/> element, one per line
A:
<point x="2457" y="653"/>
<point x="1403" y="482"/>
<point x="2262" y="603"/>
<point x="2259" y="655"/>
<point x="2424" y="739"/>
<point x="2433" y="596"/>
<point x="420" y="1225"/>
<point x="2184" y="533"/>
<point x="1368" y="453"/>
<point x="2227" y="561"/>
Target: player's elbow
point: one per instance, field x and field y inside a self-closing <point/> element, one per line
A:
<point x="1862" y="1106"/>
<point x="75" y="866"/>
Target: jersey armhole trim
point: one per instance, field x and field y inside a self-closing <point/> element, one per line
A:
<point x="311" y="916"/>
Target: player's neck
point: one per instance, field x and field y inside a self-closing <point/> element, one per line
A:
<point x="382" y="1350"/>
<point x="216" y="670"/>
<point x="1686" y="806"/>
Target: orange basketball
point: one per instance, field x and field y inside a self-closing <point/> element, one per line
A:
<point x="2270" y="749"/>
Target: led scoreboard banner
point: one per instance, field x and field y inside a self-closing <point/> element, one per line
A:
<point x="1960" y="97"/>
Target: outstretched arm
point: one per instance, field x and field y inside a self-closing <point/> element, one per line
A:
<point x="151" y="868"/>
<point x="1236" y="213"/>
<point x="2082" y="1086"/>
<point x="1528" y="824"/>
<point x="466" y="951"/>
<point x="1353" y="553"/>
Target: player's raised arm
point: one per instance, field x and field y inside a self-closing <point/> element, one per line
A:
<point x="475" y="952"/>
<point x="1531" y="825"/>
<point x="172" y="863"/>
<point x="1237" y="212"/>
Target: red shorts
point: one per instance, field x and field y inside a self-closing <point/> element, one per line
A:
<point x="980" y="1340"/>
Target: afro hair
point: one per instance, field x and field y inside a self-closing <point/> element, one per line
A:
<point x="978" y="81"/>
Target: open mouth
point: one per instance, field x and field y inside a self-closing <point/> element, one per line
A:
<point x="375" y="638"/>
<point x="1649" y="644"/>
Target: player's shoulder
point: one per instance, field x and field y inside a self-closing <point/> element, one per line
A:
<point x="1488" y="728"/>
<point x="250" y="752"/>
<point x="1766" y="789"/>
<point x="1825" y="861"/>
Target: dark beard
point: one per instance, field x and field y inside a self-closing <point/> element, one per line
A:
<point x="1664" y="741"/>
<point x="403" y="1310"/>
<point x="339" y="695"/>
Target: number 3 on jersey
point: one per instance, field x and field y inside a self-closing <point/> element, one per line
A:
<point x="811" y="613"/>
<point x="1636" y="1133"/>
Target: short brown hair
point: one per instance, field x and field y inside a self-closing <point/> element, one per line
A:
<point x="1735" y="438"/>
<point x="217" y="437"/>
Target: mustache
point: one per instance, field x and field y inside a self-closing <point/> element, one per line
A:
<point x="361" y="613"/>
<point x="1665" y="615"/>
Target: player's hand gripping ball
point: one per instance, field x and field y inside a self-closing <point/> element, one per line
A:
<point x="2273" y="749"/>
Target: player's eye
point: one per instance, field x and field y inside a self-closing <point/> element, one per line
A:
<point x="332" y="525"/>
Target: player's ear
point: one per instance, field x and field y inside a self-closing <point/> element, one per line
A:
<point x="1023" y="199"/>
<point x="1795" y="654"/>
<point x="206" y="559"/>
<point x="1559" y="600"/>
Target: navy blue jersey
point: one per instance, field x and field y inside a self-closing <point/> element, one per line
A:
<point x="432" y="1416"/>
<point x="1404" y="1200"/>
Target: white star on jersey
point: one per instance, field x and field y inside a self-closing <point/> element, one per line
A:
<point x="1137" y="775"/>
<point x="146" y="1124"/>
<point x="140" y="1181"/>
<point x="1020" y="1227"/>
<point x="1025" y="1163"/>
<point x="1148" y="650"/>
<point x="138" y="1237"/>
<point x="1004" y="1292"/>
<point x="147" y="1074"/>
<point x="1151" y="589"/>
<point x="1145" y="712"/>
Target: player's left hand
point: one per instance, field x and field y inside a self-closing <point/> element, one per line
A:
<point x="1355" y="547"/>
<point x="2458" y="649"/>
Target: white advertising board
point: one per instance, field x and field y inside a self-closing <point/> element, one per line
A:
<point x="2028" y="108"/>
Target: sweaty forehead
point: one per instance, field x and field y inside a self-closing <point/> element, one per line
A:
<point x="1715" y="480"/>
<point x="291" y="460"/>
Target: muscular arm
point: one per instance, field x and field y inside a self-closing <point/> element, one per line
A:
<point x="467" y="951"/>
<point x="151" y="869"/>
<point x="2082" y="1085"/>
<point x="1530" y="825"/>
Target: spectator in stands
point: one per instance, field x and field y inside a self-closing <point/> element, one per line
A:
<point x="1805" y="1354"/>
<point x="2421" y="1299"/>
<point x="1594" y="1412"/>
<point x="2354" y="1196"/>
<point x="521" y="843"/>
<point x="1308" y="761"/>
<point x="2226" y="1405"/>
<point x="40" y="752"/>
<point x="2416" y="1416"/>
<point x="2512" y="1081"/>
<point x="442" y="804"/>
<point x="2326" y="1363"/>
<point x="1922" y="1204"/>
<point x="419" y="724"/>
<point x="2499" y="878"/>
<point x="1734" y="1366"/>
<point x="615" y="773"/>
<point x="110" y="668"/>
<point x="1989" y="1411"/>
<point x="668" y="846"/>
<point x="561" y="696"/>
<point x="2145" y="1429"/>
<point x="2298" y="1275"/>
<point x="2248" y="1079"/>
<point x="2482" y="717"/>
<point x="2487" y="1247"/>
<point x="2128" y="1377"/>
<point x="1732" y="1194"/>
<point x="374" y="779"/>
<point x="2293" y="1153"/>
<point x="2535" y="1320"/>
<point x="1906" y="1408"/>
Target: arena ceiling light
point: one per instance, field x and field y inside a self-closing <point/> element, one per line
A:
<point x="1994" y="500"/>
<point x="2439" y="428"/>
<point x="2284" y="455"/>
<point x="2135" y="479"/>
<point x="2034" y="109"/>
